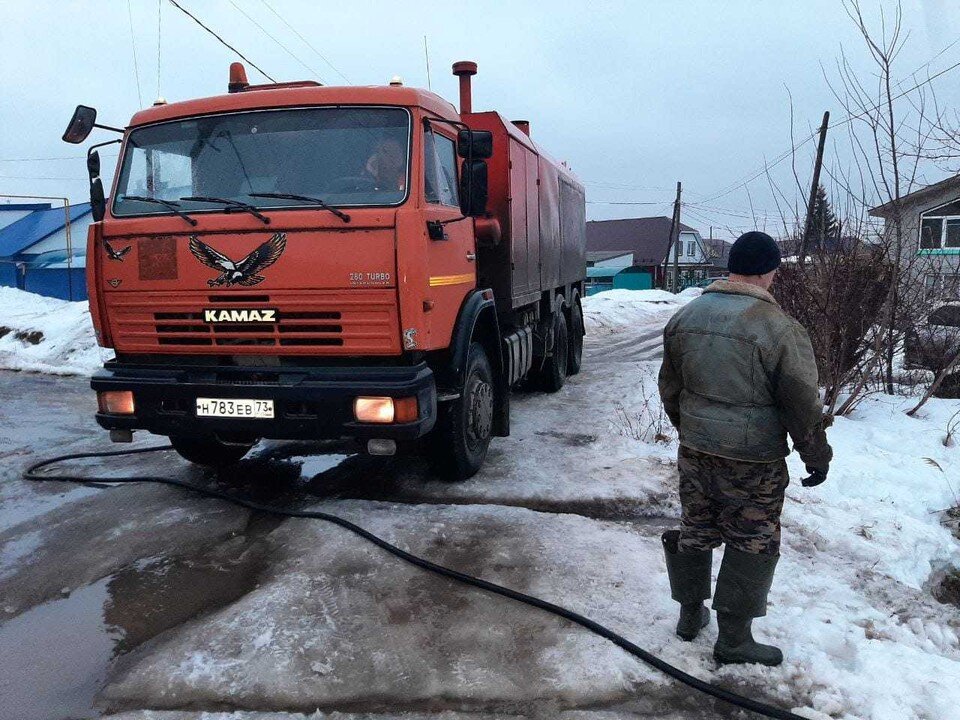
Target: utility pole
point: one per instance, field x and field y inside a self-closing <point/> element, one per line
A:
<point x="808" y="226"/>
<point x="672" y="243"/>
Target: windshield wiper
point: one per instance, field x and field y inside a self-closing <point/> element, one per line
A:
<point x="246" y="207"/>
<point x="305" y="198"/>
<point x="174" y="207"/>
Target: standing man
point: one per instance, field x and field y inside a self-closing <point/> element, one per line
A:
<point x="738" y="375"/>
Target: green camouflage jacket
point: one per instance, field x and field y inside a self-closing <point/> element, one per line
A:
<point x="738" y="375"/>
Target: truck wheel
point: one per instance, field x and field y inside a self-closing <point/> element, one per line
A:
<point x="554" y="371"/>
<point x="575" y="361"/>
<point x="464" y="426"/>
<point x="209" y="450"/>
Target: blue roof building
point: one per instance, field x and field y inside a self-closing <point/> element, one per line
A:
<point x="34" y="253"/>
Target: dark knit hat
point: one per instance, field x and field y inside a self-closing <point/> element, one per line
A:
<point x="754" y="253"/>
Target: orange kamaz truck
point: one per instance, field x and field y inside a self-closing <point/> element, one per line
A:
<point x="299" y="261"/>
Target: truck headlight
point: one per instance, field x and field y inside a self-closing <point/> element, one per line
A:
<point x="116" y="402"/>
<point x="385" y="410"/>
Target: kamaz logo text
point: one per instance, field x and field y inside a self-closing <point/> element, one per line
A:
<point x="240" y="315"/>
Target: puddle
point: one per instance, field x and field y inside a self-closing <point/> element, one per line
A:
<point x="313" y="465"/>
<point x="54" y="657"/>
<point x="154" y="595"/>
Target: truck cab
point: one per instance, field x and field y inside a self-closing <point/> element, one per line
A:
<point x="298" y="261"/>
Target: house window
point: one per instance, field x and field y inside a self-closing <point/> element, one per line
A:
<point x="951" y="235"/>
<point x="940" y="227"/>
<point x="692" y="248"/>
<point x="679" y="248"/>
<point x="931" y="231"/>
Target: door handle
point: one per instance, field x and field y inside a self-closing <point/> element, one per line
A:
<point x="471" y="256"/>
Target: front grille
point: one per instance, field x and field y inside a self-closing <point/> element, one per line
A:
<point x="292" y="329"/>
<point x="342" y="322"/>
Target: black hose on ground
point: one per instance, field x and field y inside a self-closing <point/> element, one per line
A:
<point x="741" y="701"/>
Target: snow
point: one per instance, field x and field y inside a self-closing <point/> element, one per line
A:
<point x="42" y="334"/>
<point x="570" y="508"/>
<point x="615" y="311"/>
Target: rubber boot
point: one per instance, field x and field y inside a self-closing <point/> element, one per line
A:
<point x="742" y="587"/>
<point x="689" y="574"/>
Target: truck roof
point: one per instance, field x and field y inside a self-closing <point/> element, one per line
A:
<point x="269" y="96"/>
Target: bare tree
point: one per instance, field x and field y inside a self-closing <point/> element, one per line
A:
<point x="889" y="130"/>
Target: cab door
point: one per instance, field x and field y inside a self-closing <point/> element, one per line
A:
<point x="451" y="247"/>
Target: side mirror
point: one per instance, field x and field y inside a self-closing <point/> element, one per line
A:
<point x="477" y="144"/>
<point x="98" y="203"/>
<point x="81" y="124"/>
<point x="93" y="165"/>
<point x="473" y="187"/>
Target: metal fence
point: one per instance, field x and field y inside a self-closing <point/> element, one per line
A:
<point x="62" y="283"/>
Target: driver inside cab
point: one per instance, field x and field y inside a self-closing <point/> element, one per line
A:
<point x="386" y="166"/>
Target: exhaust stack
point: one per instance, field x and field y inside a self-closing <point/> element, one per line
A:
<point x="464" y="70"/>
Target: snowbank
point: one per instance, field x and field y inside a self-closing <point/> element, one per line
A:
<point x="42" y="334"/>
<point x="615" y="311"/>
<point x="853" y="602"/>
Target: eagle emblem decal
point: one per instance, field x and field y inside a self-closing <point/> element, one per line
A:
<point x="113" y="253"/>
<point x="245" y="272"/>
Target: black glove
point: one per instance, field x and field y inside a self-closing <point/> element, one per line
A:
<point x="815" y="478"/>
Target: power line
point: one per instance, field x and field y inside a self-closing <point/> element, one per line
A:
<point x="39" y="177"/>
<point x="306" y="42"/>
<point x="38" y="159"/>
<point x="223" y="42"/>
<point x="613" y="202"/>
<point x="619" y="186"/>
<point x="733" y="213"/>
<point x="848" y="119"/>
<point x="62" y="157"/>
<point x="284" y="47"/>
<point x="930" y="79"/>
<point x="136" y="65"/>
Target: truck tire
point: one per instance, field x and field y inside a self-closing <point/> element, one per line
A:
<point x="463" y="431"/>
<point x="575" y="361"/>
<point x="209" y="450"/>
<point x="551" y="377"/>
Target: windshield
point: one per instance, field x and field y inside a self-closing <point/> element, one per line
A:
<point x="344" y="156"/>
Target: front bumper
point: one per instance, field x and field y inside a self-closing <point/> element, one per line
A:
<point x="309" y="402"/>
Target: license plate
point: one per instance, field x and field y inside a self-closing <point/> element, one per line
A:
<point x="234" y="408"/>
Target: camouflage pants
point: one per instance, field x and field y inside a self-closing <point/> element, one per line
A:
<point x="730" y="501"/>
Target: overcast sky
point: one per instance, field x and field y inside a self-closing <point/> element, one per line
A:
<point x="633" y="95"/>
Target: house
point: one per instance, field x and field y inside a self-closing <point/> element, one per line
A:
<point x="614" y="270"/>
<point x="609" y="258"/>
<point x="718" y="253"/>
<point x="11" y="212"/>
<point x="930" y="223"/>
<point x="648" y="240"/>
<point x="34" y="253"/>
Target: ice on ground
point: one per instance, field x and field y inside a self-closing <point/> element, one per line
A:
<point x="93" y="536"/>
<point x="43" y="334"/>
<point x="633" y="714"/>
<point x="334" y="620"/>
<point x="851" y="604"/>
<point x="349" y="625"/>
